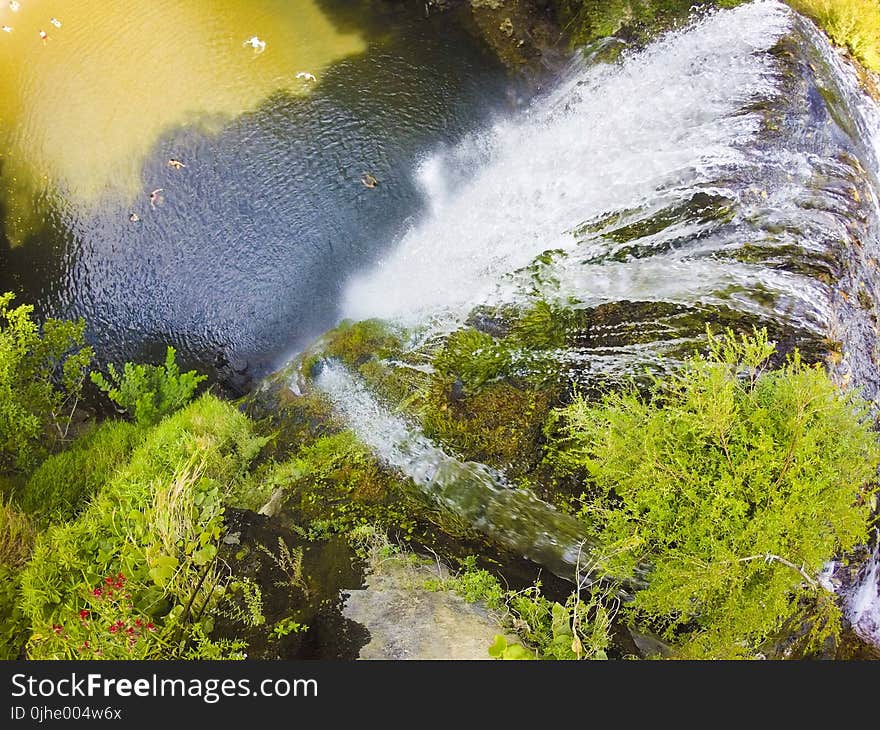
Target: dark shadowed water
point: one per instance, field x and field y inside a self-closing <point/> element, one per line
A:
<point x="247" y="251"/>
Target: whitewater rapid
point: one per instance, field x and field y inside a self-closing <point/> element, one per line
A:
<point x="733" y="164"/>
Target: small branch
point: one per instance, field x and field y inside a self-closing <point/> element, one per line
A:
<point x="769" y="558"/>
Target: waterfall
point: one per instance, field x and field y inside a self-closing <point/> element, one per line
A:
<point x="472" y="492"/>
<point x="731" y="166"/>
<point x="863" y="602"/>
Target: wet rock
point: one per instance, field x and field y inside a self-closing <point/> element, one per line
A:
<point x="524" y="34"/>
<point x="407" y="621"/>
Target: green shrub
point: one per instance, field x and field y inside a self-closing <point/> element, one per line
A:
<point x="472" y="584"/>
<point x="736" y="485"/>
<point x="42" y="371"/>
<point x="149" y="392"/>
<point x="156" y="522"/>
<point x="578" y="629"/>
<point x="61" y="484"/>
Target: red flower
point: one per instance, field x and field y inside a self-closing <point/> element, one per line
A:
<point x="109" y="580"/>
<point x="83" y="615"/>
<point x="112" y="629"/>
<point x="151" y="626"/>
<point x="138" y="622"/>
<point x="129" y="631"/>
<point x="57" y="628"/>
<point x="97" y="592"/>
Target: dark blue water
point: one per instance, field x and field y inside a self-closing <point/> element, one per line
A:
<point x="246" y="257"/>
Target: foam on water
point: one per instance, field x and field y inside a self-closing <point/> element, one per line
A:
<point x="665" y="123"/>
<point x="734" y="163"/>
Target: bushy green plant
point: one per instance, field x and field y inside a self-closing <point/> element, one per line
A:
<point x="149" y="392"/>
<point x="736" y="484"/>
<point x="157" y="521"/>
<point x="42" y="371"/>
<point x="288" y="626"/>
<point x="472" y="584"/>
<point x="578" y="629"/>
<point x="62" y="483"/>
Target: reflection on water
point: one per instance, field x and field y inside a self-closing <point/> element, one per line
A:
<point x="82" y="109"/>
<point x="255" y="237"/>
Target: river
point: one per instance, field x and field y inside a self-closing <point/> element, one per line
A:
<point x="243" y="253"/>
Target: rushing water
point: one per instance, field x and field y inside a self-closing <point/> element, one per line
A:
<point x="473" y="492"/>
<point x="246" y="248"/>
<point x="728" y="170"/>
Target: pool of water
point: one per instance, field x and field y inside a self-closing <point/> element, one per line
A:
<point x="244" y="252"/>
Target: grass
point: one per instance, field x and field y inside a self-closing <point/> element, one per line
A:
<point x="17" y="536"/>
<point x="854" y="24"/>
<point x="64" y="482"/>
<point x="156" y="522"/>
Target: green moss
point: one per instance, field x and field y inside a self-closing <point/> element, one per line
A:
<point x="356" y="342"/>
<point x="500" y="426"/>
<point x="637" y="20"/>
<point x="335" y="484"/>
<point x="59" y="487"/>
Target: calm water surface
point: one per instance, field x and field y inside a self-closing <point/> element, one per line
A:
<point x="247" y="248"/>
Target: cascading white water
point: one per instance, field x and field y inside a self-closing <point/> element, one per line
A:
<point x="863" y="603"/>
<point x="746" y="137"/>
<point x="472" y="492"/>
<point x="667" y="123"/>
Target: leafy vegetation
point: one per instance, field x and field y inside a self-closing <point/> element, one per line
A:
<point x="157" y="521"/>
<point x="61" y="484"/>
<point x="736" y="485"/>
<point x="853" y="24"/>
<point x="42" y="371"/>
<point x="578" y="629"/>
<point x="149" y="392"/>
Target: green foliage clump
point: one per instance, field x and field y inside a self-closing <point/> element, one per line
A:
<point x="42" y="371"/>
<point x="157" y="522"/>
<point x="62" y="483"/>
<point x="149" y="392"/>
<point x="335" y="485"/>
<point x="472" y="584"/>
<point x="853" y="24"/>
<point x="735" y="484"/>
<point x="578" y="629"/>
